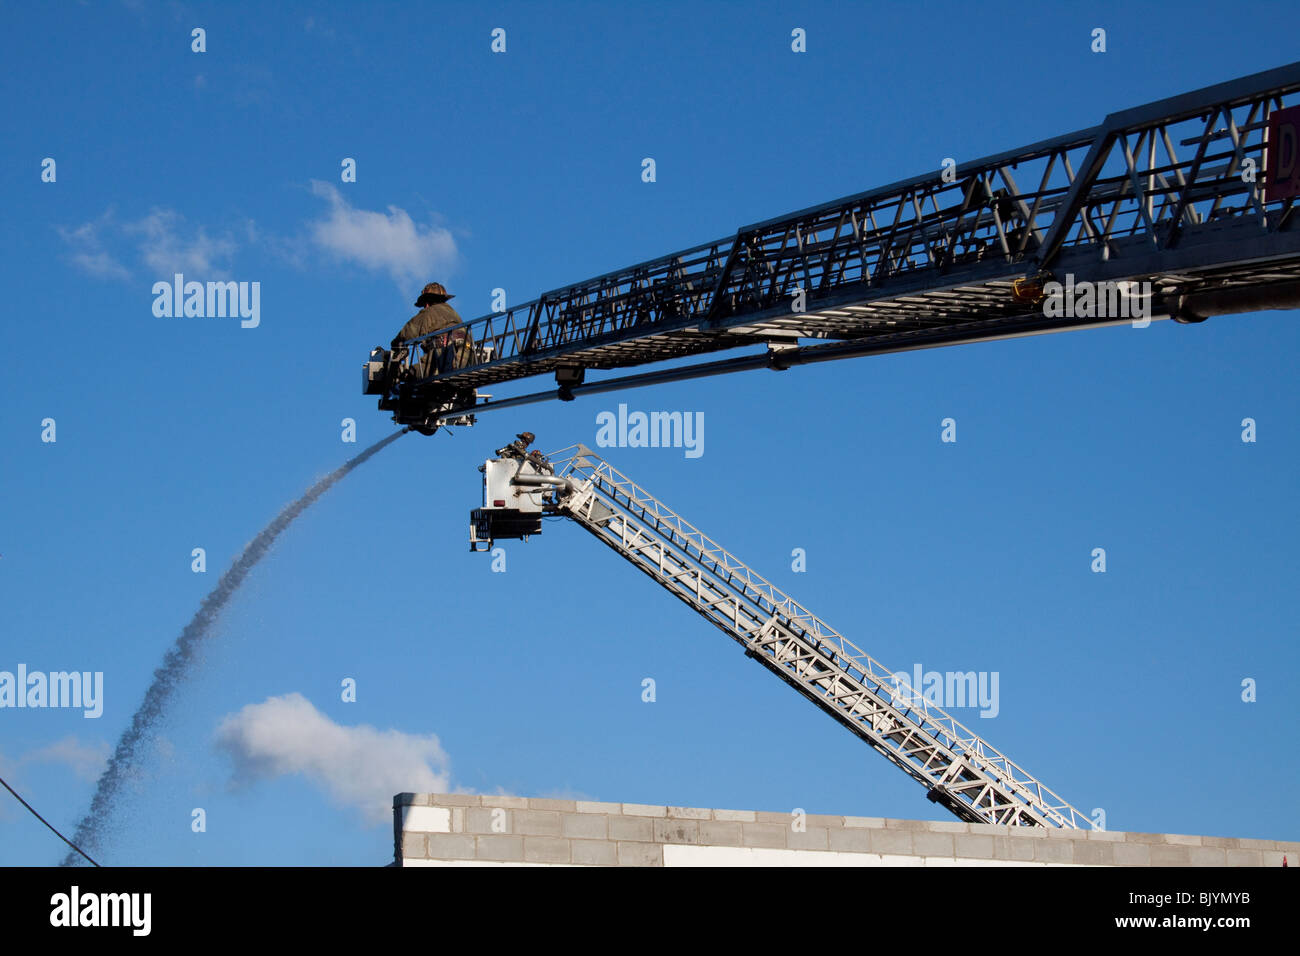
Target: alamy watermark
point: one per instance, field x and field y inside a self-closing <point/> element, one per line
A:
<point x="74" y="689"/>
<point x="129" y="910"/>
<point x="947" y="689"/>
<point x="653" y="430"/>
<point x="1084" y="299"/>
<point x="211" y="300"/>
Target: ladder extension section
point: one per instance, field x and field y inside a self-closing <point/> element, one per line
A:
<point x="1177" y="193"/>
<point x="959" y="770"/>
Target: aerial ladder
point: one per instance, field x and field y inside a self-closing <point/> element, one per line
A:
<point x="1187" y="205"/>
<point x="959" y="770"/>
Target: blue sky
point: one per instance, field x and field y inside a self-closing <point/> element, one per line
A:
<point x="522" y="171"/>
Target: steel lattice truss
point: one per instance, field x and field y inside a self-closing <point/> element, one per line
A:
<point x="959" y="770"/>
<point x="1166" y="193"/>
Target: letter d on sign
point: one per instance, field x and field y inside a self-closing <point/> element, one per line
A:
<point x="1282" y="168"/>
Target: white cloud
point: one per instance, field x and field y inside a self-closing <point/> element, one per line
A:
<point x="87" y="761"/>
<point x="380" y="242"/>
<point x="165" y="249"/>
<point x="88" y="252"/>
<point x="360" y="766"/>
<point x="165" y="244"/>
<point x="100" y="265"/>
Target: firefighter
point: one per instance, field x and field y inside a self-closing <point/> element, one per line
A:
<point x="518" y="448"/>
<point x="540" y="463"/>
<point x="436" y="314"/>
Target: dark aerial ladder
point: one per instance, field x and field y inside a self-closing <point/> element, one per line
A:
<point x="1186" y="205"/>
<point x="959" y="770"/>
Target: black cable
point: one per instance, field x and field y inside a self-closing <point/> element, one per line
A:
<point x="46" y="822"/>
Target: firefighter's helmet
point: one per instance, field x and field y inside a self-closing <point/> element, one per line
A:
<point x="433" y="292"/>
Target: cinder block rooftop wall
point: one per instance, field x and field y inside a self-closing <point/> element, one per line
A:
<point x="450" y="829"/>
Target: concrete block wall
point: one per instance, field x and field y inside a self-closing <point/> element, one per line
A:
<point x="451" y="829"/>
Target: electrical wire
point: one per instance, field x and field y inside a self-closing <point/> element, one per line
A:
<point x="46" y="822"/>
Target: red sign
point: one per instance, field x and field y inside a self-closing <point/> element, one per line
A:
<point x="1282" y="169"/>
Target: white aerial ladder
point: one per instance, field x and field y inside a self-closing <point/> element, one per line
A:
<point x="959" y="770"/>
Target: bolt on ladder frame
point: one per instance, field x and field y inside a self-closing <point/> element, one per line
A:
<point x="959" y="770"/>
